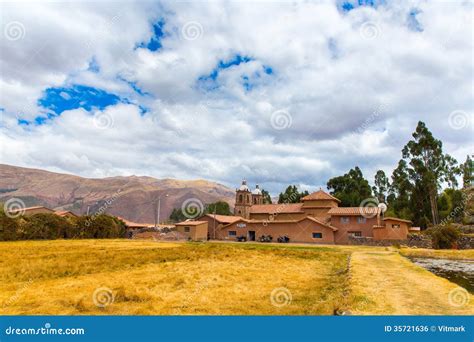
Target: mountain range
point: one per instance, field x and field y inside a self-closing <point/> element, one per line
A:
<point x="134" y="198"/>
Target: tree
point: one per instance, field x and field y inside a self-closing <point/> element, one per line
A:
<point x="101" y="226"/>
<point x="45" y="227"/>
<point x="219" y="208"/>
<point x="467" y="169"/>
<point x="351" y="188"/>
<point x="451" y="205"/>
<point x="381" y="187"/>
<point x="266" y="197"/>
<point x="177" y="215"/>
<point x="292" y="195"/>
<point x="444" y="237"/>
<point x="429" y="167"/>
<point x="400" y="192"/>
<point x="8" y="227"/>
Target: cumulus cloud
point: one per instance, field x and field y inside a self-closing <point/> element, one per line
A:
<point x="319" y="87"/>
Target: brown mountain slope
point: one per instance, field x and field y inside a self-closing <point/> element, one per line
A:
<point x="133" y="198"/>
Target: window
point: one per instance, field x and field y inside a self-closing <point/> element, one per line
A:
<point x="240" y="198"/>
<point x="186" y="229"/>
<point x="361" y="219"/>
<point x="317" y="235"/>
<point x="395" y="226"/>
<point x="358" y="234"/>
<point x="344" y="219"/>
<point x="232" y="233"/>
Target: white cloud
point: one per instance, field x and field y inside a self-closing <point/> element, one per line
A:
<point x="354" y="95"/>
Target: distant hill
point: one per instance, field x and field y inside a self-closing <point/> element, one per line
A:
<point x="133" y="197"/>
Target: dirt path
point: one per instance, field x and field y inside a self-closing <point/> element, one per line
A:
<point x="384" y="282"/>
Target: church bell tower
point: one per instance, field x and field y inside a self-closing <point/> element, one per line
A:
<point x="243" y="200"/>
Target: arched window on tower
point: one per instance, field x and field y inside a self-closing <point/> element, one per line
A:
<point x="240" y="198"/>
<point x="254" y="200"/>
<point x="248" y="199"/>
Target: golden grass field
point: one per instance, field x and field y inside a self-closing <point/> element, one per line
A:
<point x="129" y="277"/>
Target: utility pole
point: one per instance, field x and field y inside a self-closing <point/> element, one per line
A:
<point x="215" y="207"/>
<point x="157" y="222"/>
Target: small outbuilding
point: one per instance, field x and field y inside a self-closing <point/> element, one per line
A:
<point x="193" y="230"/>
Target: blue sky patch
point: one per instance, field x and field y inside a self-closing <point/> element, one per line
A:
<point x="209" y="81"/>
<point x="347" y="6"/>
<point x="134" y="86"/>
<point x="412" y="21"/>
<point x="154" y="43"/>
<point x="94" y="66"/>
<point x="57" y="100"/>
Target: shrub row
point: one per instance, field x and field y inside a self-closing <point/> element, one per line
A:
<point x="52" y="226"/>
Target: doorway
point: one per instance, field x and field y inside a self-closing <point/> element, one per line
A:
<point x="251" y="235"/>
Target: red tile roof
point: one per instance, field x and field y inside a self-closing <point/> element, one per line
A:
<point x="266" y="222"/>
<point x="276" y="208"/>
<point x="223" y="218"/>
<point x="320" y="195"/>
<point x="64" y="213"/>
<point x="131" y="224"/>
<point x="354" y="211"/>
<point x="29" y="208"/>
<point x="190" y="223"/>
<point x="396" y="219"/>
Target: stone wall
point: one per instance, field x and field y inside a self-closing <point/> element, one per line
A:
<point x="466" y="242"/>
<point x="413" y="240"/>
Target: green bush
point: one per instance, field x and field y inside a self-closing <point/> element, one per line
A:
<point x="44" y="227"/>
<point x="8" y="227"/>
<point x="444" y="236"/>
<point x="99" y="227"/>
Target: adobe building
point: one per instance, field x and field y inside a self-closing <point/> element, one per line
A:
<point x="29" y="211"/>
<point x="318" y="218"/>
<point x="193" y="230"/>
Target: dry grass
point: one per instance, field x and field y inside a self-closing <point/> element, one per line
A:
<point x="60" y="277"/>
<point x="387" y="283"/>
<point x="466" y="254"/>
<point x="152" y="278"/>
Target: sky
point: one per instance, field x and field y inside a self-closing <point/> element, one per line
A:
<point x="278" y="93"/>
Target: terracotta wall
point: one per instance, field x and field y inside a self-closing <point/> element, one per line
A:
<point x="342" y="235"/>
<point x="297" y="232"/>
<point x="390" y="232"/>
<point x="212" y="226"/>
<point x="196" y="232"/>
<point x="277" y="216"/>
<point x="320" y="203"/>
